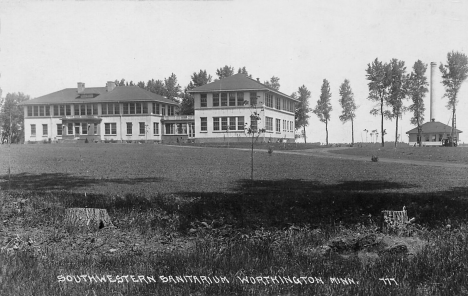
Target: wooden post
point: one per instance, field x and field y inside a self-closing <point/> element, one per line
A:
<point x="86" y="219"/>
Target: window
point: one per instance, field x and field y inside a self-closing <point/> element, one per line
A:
<point x="216" y="100"/>
<point x="70" y="128"/>
<point x="145" y="108"/>
<point x="170" y="128"/>
<point x="142" y="128"/>
<point x="171" y="110"/>
<point x="89" y="109"/>
<point x="284" y="125"/>
<point x="240" y="99"/>
<point x="138" y="108"/>
<point x="163" y="110"/>
<point x="269" y="123"/>
<point x="33" y="130"/>
<point x="104" y="109"/>
<point x="156" y="108"/>
<point x="240" y="123"/>
<point x="156" y="128"/>
<point x="45" y="131"/>
<point x="110" y="128"/>
<point x="95" y="109"/>
<point x="216" y="123"/>
<point x="224" y="123"/>
<point x="278" y="103"/>
<point x="253" y="123"/>
<point x="68" y="109"/>
<point x="440" y="137"/>
<point x="76" y="110"/>
<point x="203" y="102"/>
<point x="129" y="128"/>
<point x="132" y="108"/>
<point x="232" y="99"/>
<point x="203" y="124"/>
<point x="36" y="110"/>
<point x="62" y="110"/>
<point x="232" y="123"/>
<point x="223" y="99"/>
<point x="125" y="108"/>
<point x="95" y="128"/>
<point x="253" y="98"/>
<point x="30" y="110"/>
<point x="269" y="100"/>
<point x="278" y="125"/>
<point x="82" y="109"/>
<point x="47" y="110"/>
<point x="56" y="110"/>
<point x="84" y="128"/>
<point x="41" y="110"/>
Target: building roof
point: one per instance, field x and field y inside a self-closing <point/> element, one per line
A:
<point x="118" y="94"/>
<point x="433" y="127"/>
<point x="236" y="82"/>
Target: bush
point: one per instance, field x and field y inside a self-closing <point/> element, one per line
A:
<point x="374" y="158"/>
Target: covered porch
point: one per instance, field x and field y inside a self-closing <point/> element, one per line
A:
<point x="178" y="128"/>
<point x="81" y="127"/>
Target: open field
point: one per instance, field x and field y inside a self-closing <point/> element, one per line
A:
<point x="194" y="211"/>
<point x="430" y="153"/>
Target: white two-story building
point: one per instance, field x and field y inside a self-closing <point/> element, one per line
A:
<point x="110" y="113"/>
<point x="224" y="107"/>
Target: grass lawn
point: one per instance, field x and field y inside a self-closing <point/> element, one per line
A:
<point x="430" y="153"/>
<point x="193" y="211"/>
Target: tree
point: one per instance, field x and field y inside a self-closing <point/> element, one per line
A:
<point x="12" y="129"/>
<point x="198" y="79"/>
<point x="417" y="89"/>
<point x="243" y="70"/>
<point x="302" y="109"/>
<point x="156" y="86"/>
<point x="172" y="88"/>
<point x="273" y="83"/>
<point x="254" y="133"/>
<point x="348" y="105"/>
<point x="397" y="91"/>
<point x="141" y="84"/>
<point x="225" y="71"/>
<point x="377" y="74"/>
<point x="453" y="75"/>
<point x="323" y="108"/>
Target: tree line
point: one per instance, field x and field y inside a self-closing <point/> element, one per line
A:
<point x="390" y="86"/>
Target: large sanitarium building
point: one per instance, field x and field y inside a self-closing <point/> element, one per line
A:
<point x="129" y="113"/>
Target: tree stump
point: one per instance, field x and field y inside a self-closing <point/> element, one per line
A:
<point x="394" y="221"/>
<point x="86" y="219"/>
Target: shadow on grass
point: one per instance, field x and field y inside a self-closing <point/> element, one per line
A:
<point x="60" y="181"/>
<point x="281" y="203"/>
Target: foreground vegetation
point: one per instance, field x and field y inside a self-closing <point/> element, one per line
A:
<point x="274" y="226"/>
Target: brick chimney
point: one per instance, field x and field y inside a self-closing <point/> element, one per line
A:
<point x="81" y="87"/>
<point x="110" y="85"/>
<point x="258" y="79"/>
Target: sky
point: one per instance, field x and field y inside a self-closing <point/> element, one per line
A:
<point x="49" y="46"/>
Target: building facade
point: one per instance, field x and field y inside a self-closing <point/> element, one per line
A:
<point x="223" y="110"/>
<point x="433" y="133"/>
<point x="124" y="113"/>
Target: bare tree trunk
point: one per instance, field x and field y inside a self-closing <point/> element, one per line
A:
<point x="251" y="160"/>
<point x="352" y="132"/>
<point x="396" y="132"/>
<point x="326" y="129"/>
<point x="305" y="137"/>
<point x="453" y="125"/>
<point x="381" y="124"/>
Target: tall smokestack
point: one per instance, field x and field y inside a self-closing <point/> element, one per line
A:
<point x="432" y="110"/>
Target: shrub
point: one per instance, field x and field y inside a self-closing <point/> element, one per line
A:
<point x="374" y="158"/>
